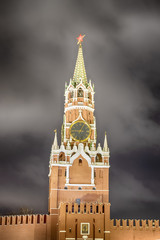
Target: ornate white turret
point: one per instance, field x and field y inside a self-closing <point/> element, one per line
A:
<point x="55" y="143"/>
<point x="105" y="147"/>
<point x="74" y="148"/>
<point x="68" y="147"/>
<point x="92" y="147"/>
<point x="86" y="148"/>
<point x="62" y="148"/>
<point x="99" y="149"/>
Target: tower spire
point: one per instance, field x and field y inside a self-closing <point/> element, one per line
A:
<point x="55" y="143"/>
<point x="105" y="147"/>
<point x="80" y="72"/>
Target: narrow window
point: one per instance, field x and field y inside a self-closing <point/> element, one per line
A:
<point x="91" y="209"/>
<point x="85" y="208"/>
<point x="80" y="92"/>
<point x="62" y="156"/>
<point x="103" y="209"/>
<point x="78" y="208"/>
<point x="97" y="209"/>
<point x="80" y="162"/>
<point x="66" y="208"/>
<point x="98" y="157"/>
<point x="72" y="208"/>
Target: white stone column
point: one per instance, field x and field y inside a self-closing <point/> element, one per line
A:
<point x="66" y="96"/>
<point x="92" y="175"/>
<point x="67" y="175"/>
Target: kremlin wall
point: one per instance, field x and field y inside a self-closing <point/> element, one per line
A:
<point x="38" y="227"/>
<point x="78" y="201"/>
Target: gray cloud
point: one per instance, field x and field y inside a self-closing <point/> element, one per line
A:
<point x="38" y="54"/>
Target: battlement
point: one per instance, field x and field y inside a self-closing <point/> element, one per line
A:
<point x="136" y="224"/>
<point x="23" y="219"/>
<point x="83" y="208"/>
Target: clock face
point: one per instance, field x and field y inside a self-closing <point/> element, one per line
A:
<point x="80" y="131"/>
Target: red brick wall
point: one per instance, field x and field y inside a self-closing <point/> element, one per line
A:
<point x="29" y="227"/>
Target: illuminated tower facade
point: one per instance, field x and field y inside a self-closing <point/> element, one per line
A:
<point x="78" y="170"/>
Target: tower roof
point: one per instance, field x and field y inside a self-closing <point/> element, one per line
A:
<point x="80" y="72"/>
<point x="55" y="143"/>
<point x="105" y="147"/>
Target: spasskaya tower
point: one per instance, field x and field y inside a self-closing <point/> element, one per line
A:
<point x="78" y="169"/>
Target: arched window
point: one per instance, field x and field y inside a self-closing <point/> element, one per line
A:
<point x="80" y="92"/>
<point x="98" y="157"/>
<point x="62" y="156"/>
<point x="71" y="94"/>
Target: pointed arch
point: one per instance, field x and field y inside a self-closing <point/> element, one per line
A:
<point x="61" y="156"/>
<point x="80" y="92"/>
<point x="99" y="157"/>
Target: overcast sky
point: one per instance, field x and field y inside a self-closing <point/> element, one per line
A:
<point x="38" y="52"/>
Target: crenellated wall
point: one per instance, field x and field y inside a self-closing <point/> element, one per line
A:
<point x="127" y="229"/>
<point x="70" y="216"/>
<point x="26" y="227"/>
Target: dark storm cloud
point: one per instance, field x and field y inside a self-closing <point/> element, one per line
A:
<point x="24" y="173"/>
<point x="122" y="56"/>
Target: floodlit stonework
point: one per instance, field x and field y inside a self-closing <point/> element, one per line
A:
<point x="78" y="204"/>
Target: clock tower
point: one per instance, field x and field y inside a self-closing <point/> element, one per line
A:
<point x="78" y="169"/>
<point x="79" y="124"/>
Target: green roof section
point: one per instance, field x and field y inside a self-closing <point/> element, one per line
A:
<point x="80" y="72"/>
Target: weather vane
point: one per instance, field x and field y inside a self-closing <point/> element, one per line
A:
<point x="80" y="39"/>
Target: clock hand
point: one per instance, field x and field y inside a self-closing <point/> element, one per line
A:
<point x="81" y="128"/>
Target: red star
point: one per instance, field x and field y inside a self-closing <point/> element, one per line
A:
<point x="80" y="38"/>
